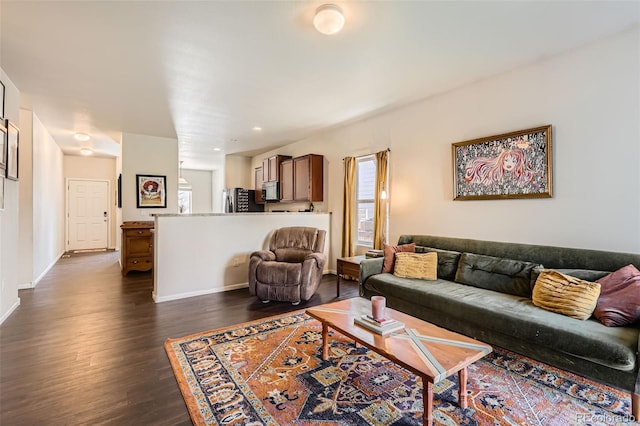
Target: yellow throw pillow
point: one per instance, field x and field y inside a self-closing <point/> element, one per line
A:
<point x="416" y="265"/>
<point x="565" y="295"/>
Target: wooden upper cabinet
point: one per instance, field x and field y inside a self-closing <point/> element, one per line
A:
<point x="286" y="180"/>
<point x="258" y="185"/>
<point x="271" y="167"/>
<point x="308" y="177"/>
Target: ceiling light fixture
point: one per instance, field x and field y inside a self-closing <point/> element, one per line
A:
<point x="86" y="151"/>
<point x="82" y="137"/>
<point x="216" y="149"/>
<point x="257" y="128"/>
<point x="329" y="19"/>
<point x="181" y="180"/>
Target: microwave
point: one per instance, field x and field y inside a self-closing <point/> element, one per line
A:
<point x="271" y="191"/>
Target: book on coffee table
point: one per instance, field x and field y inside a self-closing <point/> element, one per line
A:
<point x="383" y="327"/>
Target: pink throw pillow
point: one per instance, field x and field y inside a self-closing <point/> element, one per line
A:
<point x="619" y="302"/>
<point x="390" y="255"/>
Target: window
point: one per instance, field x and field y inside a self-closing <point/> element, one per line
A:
<point x="184" y="201"/>
<point x="365" y="195"/>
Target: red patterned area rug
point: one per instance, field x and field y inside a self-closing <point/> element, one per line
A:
<point x="270" y="372"/>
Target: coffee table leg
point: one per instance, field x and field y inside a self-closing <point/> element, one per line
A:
<point x="325" y="341"/>
<point x="462" y="388"/>
<point x="427" y="402"/>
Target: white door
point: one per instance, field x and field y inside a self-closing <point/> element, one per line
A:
<point x="88" y="214"/>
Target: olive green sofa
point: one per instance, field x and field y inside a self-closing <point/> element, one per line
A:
<point x="506" y="317"/>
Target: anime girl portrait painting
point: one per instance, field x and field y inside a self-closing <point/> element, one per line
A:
<point x="513" y="165"/>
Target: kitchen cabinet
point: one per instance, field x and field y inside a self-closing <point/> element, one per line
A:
<point x="271" y="167"/>
<point x="308" y="178"/>
<point x="286" y="180"/>
<point x="137" y="246"/>
<point x="258" y="185"/>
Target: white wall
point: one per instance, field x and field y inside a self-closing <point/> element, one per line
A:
<point x="48" y="201"/>
<point x="25" y="222"/>
<point x="238" y="172"/>
<point x="9" y="258"/>
<point x="590" y="96"/>
<point x="142" y="154"/>
<point x="97" y="168"/>
<point x="197" y="255"/>
<point x="201" y="182"/>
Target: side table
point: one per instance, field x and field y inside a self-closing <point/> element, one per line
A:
<point x="347" y="266"/>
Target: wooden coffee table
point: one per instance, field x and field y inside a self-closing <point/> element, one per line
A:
<point x="430" y="352"/>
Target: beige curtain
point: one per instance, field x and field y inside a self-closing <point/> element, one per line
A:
<point x="380" y="205"/>
<point x="348" y="205"/>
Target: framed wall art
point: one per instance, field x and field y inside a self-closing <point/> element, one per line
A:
<point x="152" y="191"/>
<point x="3" y="147"/>
<point x="13" y="140"/>
<point x="511" y="165"/>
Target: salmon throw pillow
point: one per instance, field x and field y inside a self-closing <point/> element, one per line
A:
<point x="390" y="255"/>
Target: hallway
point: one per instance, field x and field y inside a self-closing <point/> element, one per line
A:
<point x="85" y="347"/>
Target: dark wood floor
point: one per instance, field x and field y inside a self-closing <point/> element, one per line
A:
<point x="85" y="347"/>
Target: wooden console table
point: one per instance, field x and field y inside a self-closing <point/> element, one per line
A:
<point x="137" y="246"/>
<point x="347" y="266"/>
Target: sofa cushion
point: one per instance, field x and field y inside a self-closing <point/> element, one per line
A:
<point x="447" y="302"/>
<point x="279" y="273"/>
<point x="390" y="254"/>
<point x="447" y="261"/>
<point x="566" y="295"/>
<point x="416" y="265"/>
<point x="495" y="273"/>
<point x="619" y="302"/>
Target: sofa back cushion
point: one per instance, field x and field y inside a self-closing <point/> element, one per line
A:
<point x="416" y="265"/>
<point x="566" y="295"/>
<point x="496" y="273"/>
<point x="447" y="261"/>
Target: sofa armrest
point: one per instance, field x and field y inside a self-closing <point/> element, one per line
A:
<point x="370" y="267"/>
<point x="264" y="255"/>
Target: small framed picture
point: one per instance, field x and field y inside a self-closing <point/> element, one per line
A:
<point x="3" y="147"/>
<point x="13" y="140"/>
<point x="152" y="191"/>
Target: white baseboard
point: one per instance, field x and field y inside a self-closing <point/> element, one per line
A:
<point x="197" y="293"/>
<point x="51" y="265"/>
<point x="26" y="286"/>
<point x="10" y="311"/>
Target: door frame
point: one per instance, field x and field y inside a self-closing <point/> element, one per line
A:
<point x="66" y="208"/>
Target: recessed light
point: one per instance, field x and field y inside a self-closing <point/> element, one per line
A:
<point x="82" y="137"/>
<point x="216" y="149"/>
<point x="86" y="151"/>
<point x="257" y="129"/>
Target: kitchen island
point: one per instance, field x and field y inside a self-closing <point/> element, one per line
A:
<point x="196" y="254"/>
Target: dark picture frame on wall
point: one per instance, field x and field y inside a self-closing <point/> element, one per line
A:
<point x="13" y="144"/>
<point x="119" y="198"/>
<point x="3" y="148"/>
<point x="151" y="191"/>
<point x="510" y="165"/>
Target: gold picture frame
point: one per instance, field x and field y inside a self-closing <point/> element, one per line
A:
<point x="511" y="165"/>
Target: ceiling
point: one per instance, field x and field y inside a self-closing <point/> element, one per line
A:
<point x="207" y="72"/>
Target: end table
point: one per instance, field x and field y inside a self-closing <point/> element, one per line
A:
<point x="347" y="266"/>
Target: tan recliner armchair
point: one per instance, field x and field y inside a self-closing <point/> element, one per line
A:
<point x="291" y="270"/>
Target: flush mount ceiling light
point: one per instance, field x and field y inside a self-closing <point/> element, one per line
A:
<point x="329" y="19"/>
<point x="86" y="151"/>
<point x="82" y="137"/>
